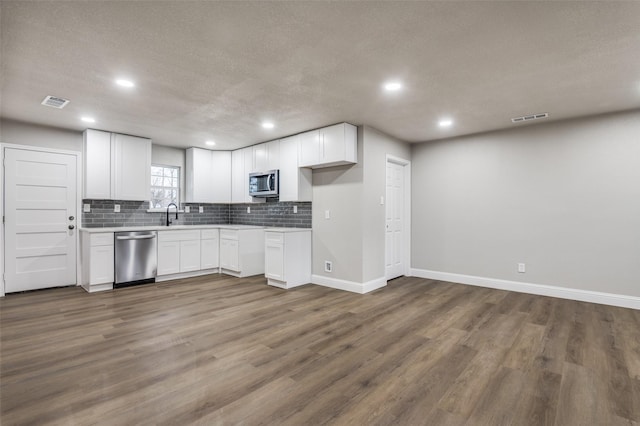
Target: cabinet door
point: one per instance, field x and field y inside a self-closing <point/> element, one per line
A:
<point x="209" y="254"/>
<point x="189" y="256"/>
<point x="248" y="168"/>
<point x="260" y="158"/>
<point x="295" y="182"/>
<point x="273" y="155"/>
<point x="168" y="257"/>
<point x="237" y="177"/>
<point x="229" y="255"/>
<point x="101" y="265"/>
<point x="97" y="164"/>
<point x="132" y="168"/>
<point x="199" y="174"/>
<point x="274" y="261"/>
<point x="221" y="167"/>
<point x="309" y="144"/>
<point x="332" y="144"/>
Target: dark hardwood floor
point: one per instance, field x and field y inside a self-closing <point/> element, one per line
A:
<point x="221" y="350"/>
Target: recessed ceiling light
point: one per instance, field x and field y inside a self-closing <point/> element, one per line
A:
<point x="210" y="143"/>
<point x="125" y="83"/>
<point x="445" y="123"/>
<point x="268" y="125"/>
<point x="392" y="86"/>
<point x="88" y="119"/>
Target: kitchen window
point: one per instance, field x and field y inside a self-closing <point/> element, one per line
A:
<point x="165" y="186"/>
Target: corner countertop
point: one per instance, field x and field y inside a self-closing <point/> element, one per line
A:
<point x="188" y="227"/>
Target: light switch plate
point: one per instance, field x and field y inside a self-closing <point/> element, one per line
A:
<point x="327" y="214"/>
<point x="86" y="208"/>
<point x="116" y="208"/>
<point x="521" y="268"/>
<point x="200" y="209"/>
<point x="187" y="209"/>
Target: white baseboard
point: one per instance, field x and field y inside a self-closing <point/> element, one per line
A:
<point x="540" y="289"/>
<point x="351" y="286"/>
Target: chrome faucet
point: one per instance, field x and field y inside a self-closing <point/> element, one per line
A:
<point x="168" y="207"/>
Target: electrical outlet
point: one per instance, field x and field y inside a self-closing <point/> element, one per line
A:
<point x="87" y="208"/>
<point x="521" y="268"/>
<point x="200" y="209"/>
<point x="116" y="208"/>
<point x="295" y="209"/>
<point x="248" y="209"/>
<point x="187" y="209"/>
<point x="328" y="266"/>
<point x="327" y="214"/>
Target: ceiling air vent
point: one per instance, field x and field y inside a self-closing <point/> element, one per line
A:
<point x="529" y="117"/>
<point x="55" y="102"/>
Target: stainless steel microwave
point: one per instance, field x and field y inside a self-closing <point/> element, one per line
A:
<point x="264" y="184"/>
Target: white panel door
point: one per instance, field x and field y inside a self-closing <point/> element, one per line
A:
<point x="40" y="210"/>
<point x="394" y="239"/>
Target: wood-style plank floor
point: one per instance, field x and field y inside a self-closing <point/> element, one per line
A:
<point x="221" y="350"/>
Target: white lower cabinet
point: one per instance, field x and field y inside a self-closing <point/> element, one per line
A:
<point x="178" y="251"/>
<point x="287" y="257"/>
<point x="242" y="252"/>
<point x="209" y="249"/>
<point x="97" y="262"/>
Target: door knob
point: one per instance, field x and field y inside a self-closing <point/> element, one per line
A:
<point x="71" y="227"/>
<point x="71" y="217"/>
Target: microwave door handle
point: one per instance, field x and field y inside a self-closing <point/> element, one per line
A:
<point x="270" y="182"/>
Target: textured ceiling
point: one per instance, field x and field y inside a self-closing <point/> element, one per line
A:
<point x="216" y="70"/>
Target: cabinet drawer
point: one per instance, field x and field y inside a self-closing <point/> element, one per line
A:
<point x="165" y="236"/>
<point x="105" y="239"/>
<point x="228" y="234"/>
<point x="274" y="237"/>
<point x="208" y="234"/>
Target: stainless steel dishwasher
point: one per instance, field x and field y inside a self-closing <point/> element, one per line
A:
<point x="136" y="258"/>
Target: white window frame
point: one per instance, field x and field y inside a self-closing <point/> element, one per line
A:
<point x="164" y="209"/>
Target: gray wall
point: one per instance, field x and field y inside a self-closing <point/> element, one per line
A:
<point x="353" y="239"/>
<point x="17" y="132"/>
<point x="376" y="147"/>
<point x="564" y="198"/>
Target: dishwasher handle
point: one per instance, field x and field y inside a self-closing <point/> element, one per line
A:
<point x="136" y="237"/>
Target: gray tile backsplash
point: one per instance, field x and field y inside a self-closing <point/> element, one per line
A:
<point x="134" y="213"/>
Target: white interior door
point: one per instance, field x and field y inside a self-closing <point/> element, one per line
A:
<point x="394" y="241"/>
<point x="40" y="209"/>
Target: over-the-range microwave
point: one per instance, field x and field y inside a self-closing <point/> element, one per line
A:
<point x="264" y="184"/>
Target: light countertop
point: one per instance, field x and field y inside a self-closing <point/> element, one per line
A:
<point x="188" y="227"/>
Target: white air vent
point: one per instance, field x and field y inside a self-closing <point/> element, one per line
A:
<point x="55" y="102"/>
<point x="529" y="117"/>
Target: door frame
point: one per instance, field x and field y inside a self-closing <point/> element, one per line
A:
<point x="406" y="234"/>
<point x="79" y="192"/>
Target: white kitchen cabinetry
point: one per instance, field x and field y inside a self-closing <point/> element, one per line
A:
<point x="266" y="156"/>
<point x="208" y="175"/>
<point x="242" y="252"/>
<point x="209" y="248"/>
<point x="287" y="257"/>
<point x="330" y="146"/>
<point x="242" y="164"/>
<point x="178" y="251"/>
<point x="97" y="262"/>
<point x="116" y="167"/>
<point x="295" y="182"/>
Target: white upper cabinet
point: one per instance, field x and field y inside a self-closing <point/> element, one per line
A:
<point x="96" y="147"/>
<point x="116" y="167"/>
<point x="330" y="146"/>
<point x="132" y="168"/>
<point x="266" y="156"/>
<point x="295" y="182"/>
<point x="243" y="163"/>
<point x="208" y="176"/>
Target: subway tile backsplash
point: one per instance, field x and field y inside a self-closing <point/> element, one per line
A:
<point x="134" y="213"/>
